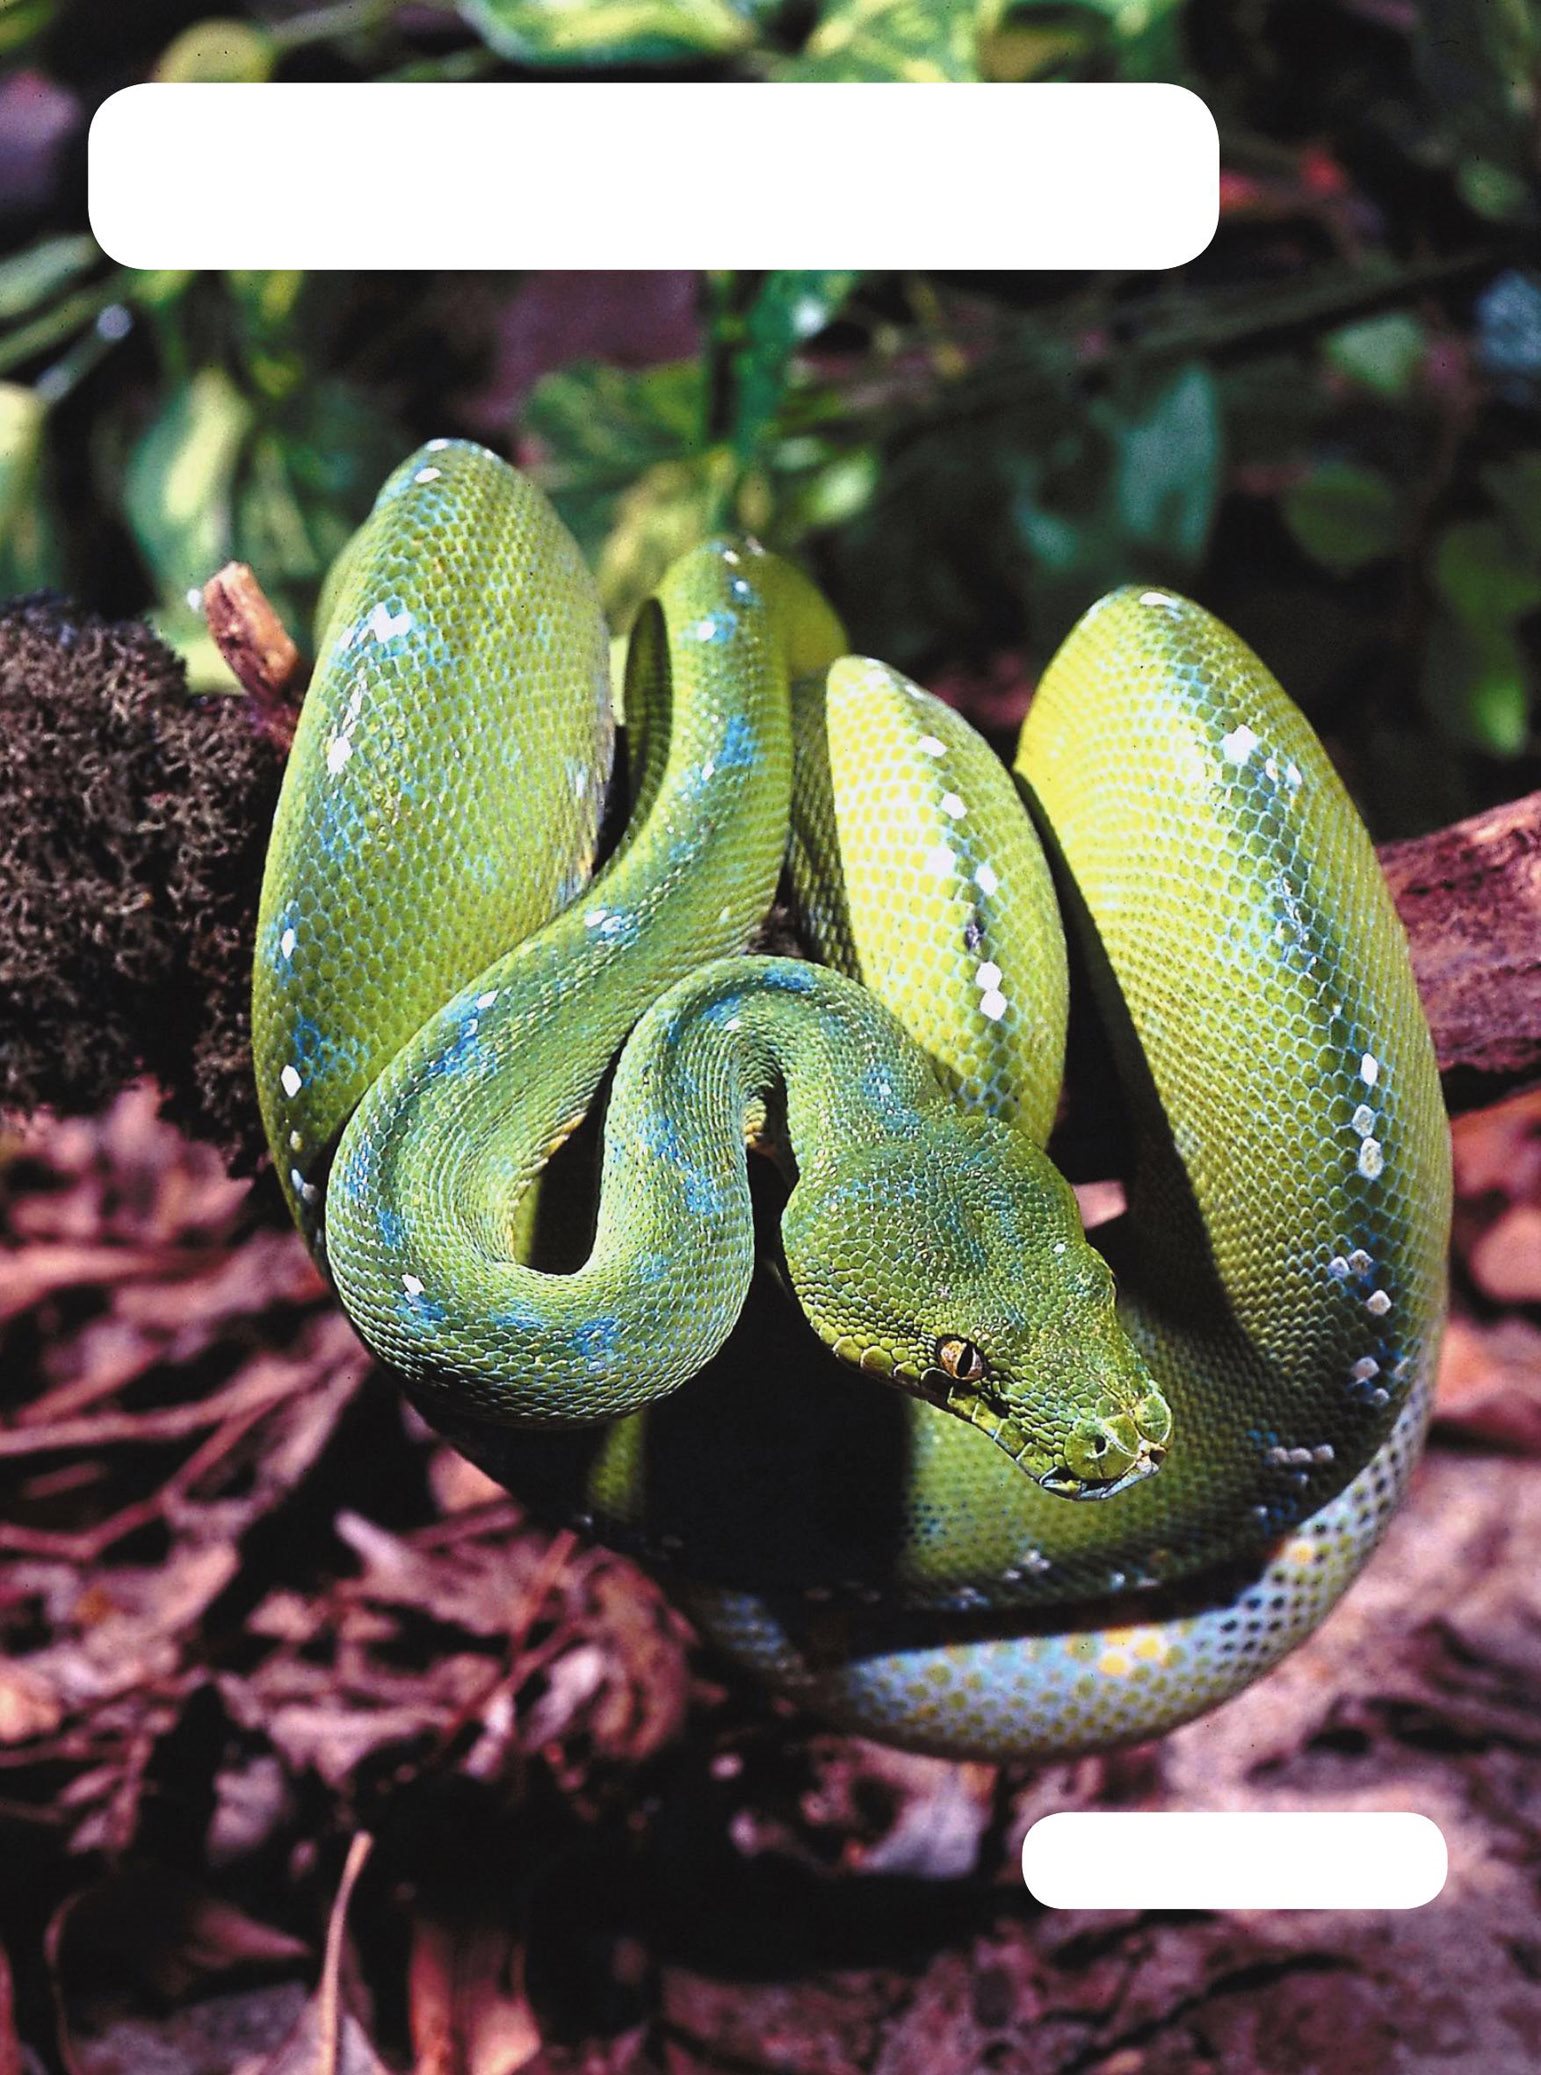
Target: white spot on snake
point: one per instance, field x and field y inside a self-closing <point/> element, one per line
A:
<point x="987" y="879"/>
<point x="291" y="1079"/>
<point x="953" y="806"/>
<point x="730" y="556"/>
<point x="1060" y="1245"/>
<point x="1364" y="1369"/>
<point x="1371" y="1160"/>
<point x="338" y="751"/>
<point x="1363" y="1120"/>
<point x="437" y="446"/>
<point x="988" y="975"/>
<point x="485" y="1001"/>
<point x="743" y="590"/>
<point x="1377" y="1303"/>
<point x="412" y="1286"/>
<point x="428" y="475"/>
<point x="1158" y="598"/>
<point x="1337" y="1268"/>
<point x="1272" y="770"/>
<point x="296" y="1140"/>
<point x="993" y="1005"/>
<point x="1369" y="1069"/>
<point x="932" y="746"/>
<point x="712" y="627"/>
<point x="385" y="626"/>
<point x="195" y="597"/>
<point x="287" y="942"/>
<point x="1360" y="1261"/>
<point x="1292" y="772"/>
<point x="938" y="861"/>
<point x="1238" y="745"/>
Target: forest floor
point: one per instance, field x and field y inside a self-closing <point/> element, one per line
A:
<point x="316" y="1755"/>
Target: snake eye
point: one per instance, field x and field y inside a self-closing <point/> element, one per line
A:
<point x="961" y="1360"/>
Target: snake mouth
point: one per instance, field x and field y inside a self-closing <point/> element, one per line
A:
<point x="1065" y="1484"/>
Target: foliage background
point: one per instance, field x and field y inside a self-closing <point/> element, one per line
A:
<point x="1328" y="427"/>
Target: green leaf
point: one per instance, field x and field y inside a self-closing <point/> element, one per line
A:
<point x="1515" y="486"/>
<point x="35" y="276"/>
<point x="891" y="39"/>
<point x="1383" y="354"/>
<point x="1475" y="682"/>
<point x="307" y="481"/>
<point x="1479" y="61"/>
<point x="182" y="628"/>
<point x="1483" y="576"/>
<point x="1054" y="542"/>
<point x="178" y="491"/>
<point x="603" y="426"/>
<point x="1345" y="517"/>
<point x="1167" y="474"/>
<point x="673" y="505"/>
<point x="20" y="21"/>
<point x="830" y="493"/>
<point x="268" y="308"/>
<point x="1475" y="675"/>
<point x="219" y="50"/>
<point x="29" y="554"/>
<point x="789" y="308"/>
<point x="611" y="32"/>
<point x="1023" y="50"/>
<point x="1132" y="39"/>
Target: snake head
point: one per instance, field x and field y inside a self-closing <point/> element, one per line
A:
<point x="954" y="1265"/>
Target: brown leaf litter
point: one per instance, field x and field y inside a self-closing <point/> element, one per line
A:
<point x="316" y="1754"/>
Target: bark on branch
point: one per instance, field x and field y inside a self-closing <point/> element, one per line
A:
<point x="1470" y="899"/>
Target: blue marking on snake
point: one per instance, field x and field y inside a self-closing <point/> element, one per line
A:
<point x="714" y="628"/>
<point x="518" y="1316"/>
<point x="419" y="1312"/>
<point x="463" y="1052"/>
<point x="660" y="1135"/>
<point x="740" y="749"/>
<point x="598" y="1340"/>
<point x="704" y="1194"/>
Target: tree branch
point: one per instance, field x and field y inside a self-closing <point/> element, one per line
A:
<point x="1470" y="900"/>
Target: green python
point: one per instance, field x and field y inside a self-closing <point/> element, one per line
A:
<point x="888" y="1515"/>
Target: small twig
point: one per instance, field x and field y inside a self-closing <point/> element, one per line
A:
<point x="262" y="1384"/>
<point x="257" y="645"/>
<point x="513" y="1668"/>
<point x="329" y="1994"/>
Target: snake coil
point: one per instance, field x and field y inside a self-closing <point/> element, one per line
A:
<point x="893" y="1524"/>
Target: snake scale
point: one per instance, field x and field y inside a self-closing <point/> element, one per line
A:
<point x="991" y="1503"/>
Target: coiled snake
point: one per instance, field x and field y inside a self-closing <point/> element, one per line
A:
<point x="896" y="1525"/>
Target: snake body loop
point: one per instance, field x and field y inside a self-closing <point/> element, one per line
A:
<point x="892" y="1524"/>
